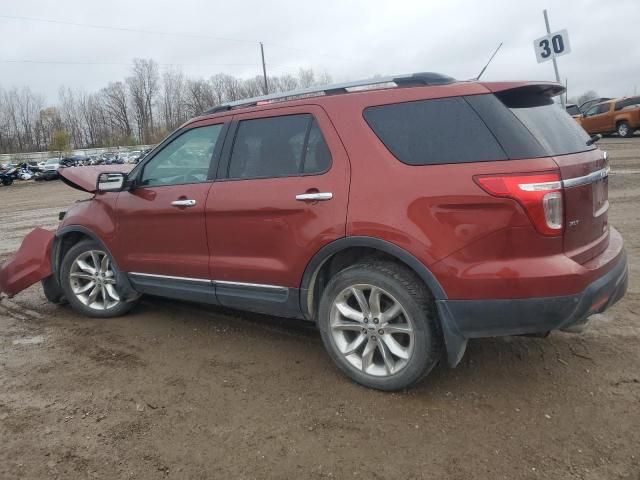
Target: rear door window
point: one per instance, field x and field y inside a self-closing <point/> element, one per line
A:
<point x="431" y="132"/>
<point x="281" y="146"/>
<point x="628" y="102"/>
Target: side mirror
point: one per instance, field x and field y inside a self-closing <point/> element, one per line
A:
<point x="111" y="182"/>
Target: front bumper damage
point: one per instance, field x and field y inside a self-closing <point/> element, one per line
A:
<point x="30" y="264"/>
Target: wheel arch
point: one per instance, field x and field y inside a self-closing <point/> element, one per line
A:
<point x="308" y="299"/>
<point x="68" y="236"/>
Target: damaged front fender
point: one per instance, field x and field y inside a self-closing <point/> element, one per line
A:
<point x="30" y="264"/>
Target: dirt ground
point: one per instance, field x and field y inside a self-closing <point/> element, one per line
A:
<point x="177" y="390"/>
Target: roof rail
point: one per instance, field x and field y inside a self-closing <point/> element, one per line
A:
<point x="408" y="80"/>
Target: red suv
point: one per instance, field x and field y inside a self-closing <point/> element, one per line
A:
<point x="404" y="215"/>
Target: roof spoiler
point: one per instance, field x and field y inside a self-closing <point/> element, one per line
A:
<point x="526" y="94"/>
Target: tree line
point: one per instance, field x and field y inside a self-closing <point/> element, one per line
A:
<point x="141" y="109"/>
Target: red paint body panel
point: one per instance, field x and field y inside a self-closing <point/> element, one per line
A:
<point x="259" y="233"/>
<point x="586" y="235"/>
<point x="30" y="264"/>
<point x="97" y="215"/>
<point x="155" y="237"/>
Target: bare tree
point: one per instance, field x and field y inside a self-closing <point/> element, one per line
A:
<point x="199" y="96"/>
<point x="141" y="108"/>
<point x="590" y="95"/>
<point x="306" y="78"/>
<point x="143" y="87"/>
<point x="116" y="105"/>
<point x="172" y="103"/>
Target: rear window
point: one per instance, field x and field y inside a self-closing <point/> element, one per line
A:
<point x="554" y="129"/>
<point x="628" y="102"/>
<point x="430" y="132"/>
<point x="516" y="125"/>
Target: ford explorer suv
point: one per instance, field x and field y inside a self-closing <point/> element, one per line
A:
<point x="620" y="116"/>
<point x="403" y="215"/>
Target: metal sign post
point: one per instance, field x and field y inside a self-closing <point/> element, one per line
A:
<point x="555" y="62"/>
<point x="550" y="46"/>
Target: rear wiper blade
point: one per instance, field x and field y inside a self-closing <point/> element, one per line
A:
<point x="593" y="139"/>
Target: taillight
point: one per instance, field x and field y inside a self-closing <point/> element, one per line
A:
<point x="540" y="194"/>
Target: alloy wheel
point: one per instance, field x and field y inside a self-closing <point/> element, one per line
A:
<point x="372" y="330"/>
<point x="623" y="129"/>
<point x="93" y="280"/>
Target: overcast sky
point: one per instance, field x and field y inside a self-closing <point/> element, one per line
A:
<point x="348" y="39"/>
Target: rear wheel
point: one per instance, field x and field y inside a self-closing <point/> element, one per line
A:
<point x="378" y="325"/>
<point x="88" y="279"/>
<point x="624" y="130"/>
<point x="7" y="181"/>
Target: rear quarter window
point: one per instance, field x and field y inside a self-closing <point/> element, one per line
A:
<point x="432" y="132"/>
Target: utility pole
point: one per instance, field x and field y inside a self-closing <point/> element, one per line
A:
<point x="264" y="70"/>
<point x="555" y="63"/>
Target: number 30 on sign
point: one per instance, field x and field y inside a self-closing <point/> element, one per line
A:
<point x="552" y="45"/>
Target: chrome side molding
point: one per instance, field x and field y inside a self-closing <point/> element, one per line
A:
<point x="587" y="179"/>
<point x="222" y="283"/>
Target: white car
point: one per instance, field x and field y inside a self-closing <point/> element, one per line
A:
<point x="51" y="165"/>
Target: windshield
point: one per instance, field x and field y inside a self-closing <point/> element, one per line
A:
<point x="52" y="161"/>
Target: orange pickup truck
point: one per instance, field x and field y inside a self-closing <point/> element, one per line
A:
<point x="621" y="116"/>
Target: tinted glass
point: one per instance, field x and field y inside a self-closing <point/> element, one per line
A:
<point x="554" y="129"/>
<point x="515" y="139"/>
<point x="318" y="157"/>
<point x="628" y="102"/>
<point x="432" y="132"/>
<point x="185" y="160"/>
<point x="278" y="147"/>
<point x="573" y="110"/>
<point x="592" y="111"/>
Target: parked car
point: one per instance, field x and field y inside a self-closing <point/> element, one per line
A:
<point x="621" y="116"/>
<point x="584" y="106"/>
<point x="51" y="165"/>
<point x="7" y="176"/>
<point x="403" y="221"/>
<point x="46" y="175"/>
<point x="573" y="110"/>
<point x="133" y="156"/>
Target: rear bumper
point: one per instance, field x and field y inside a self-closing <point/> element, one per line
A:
<point x="464" y="319"/>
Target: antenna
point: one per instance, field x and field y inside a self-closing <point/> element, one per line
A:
<point x="485" y="67"/>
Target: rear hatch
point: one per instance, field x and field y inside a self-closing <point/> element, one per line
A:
<point x="583" y="167"/>
<point x="586" y="204"/>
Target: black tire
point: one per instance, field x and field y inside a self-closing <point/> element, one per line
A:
<point x="74" y="252"/>
<point x="624" y="130"/>
<point x="409" y="291"/>
<point x="7" y="181"/>
<point x="52" y="291"/>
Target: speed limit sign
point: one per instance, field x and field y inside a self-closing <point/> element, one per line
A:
<point x="552" y="45"/>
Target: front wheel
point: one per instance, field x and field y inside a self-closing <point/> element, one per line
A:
<point x="89" y="281"/>
<point x="7" y="181"/>
<point x="624" y="130"/>
<point x="378" y="324"/>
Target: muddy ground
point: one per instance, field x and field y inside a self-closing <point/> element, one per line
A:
<point x="177" y="390"/>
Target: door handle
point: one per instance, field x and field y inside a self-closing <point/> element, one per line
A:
<point x="314" y="197"/>
<point x="183" y="203"/>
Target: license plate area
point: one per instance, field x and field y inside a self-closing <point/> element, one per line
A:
<point x="600" y="195"/>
